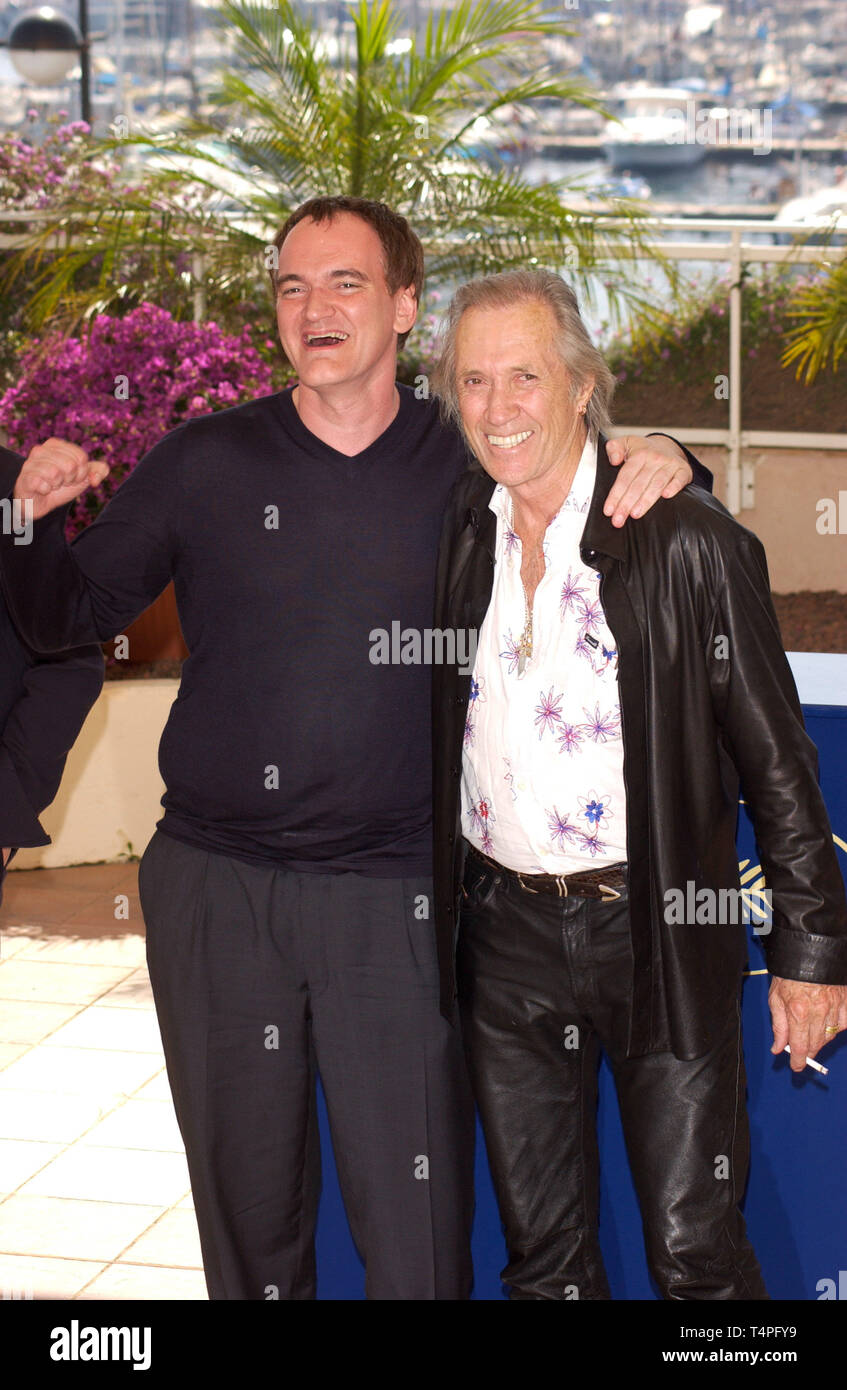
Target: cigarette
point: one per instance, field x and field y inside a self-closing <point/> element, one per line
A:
<point x="810" y="1062"/>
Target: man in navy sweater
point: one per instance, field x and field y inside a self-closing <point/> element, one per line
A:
<point x="43" y="704"/>
<point x="286" y="892"/>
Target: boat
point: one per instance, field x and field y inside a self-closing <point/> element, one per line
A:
<point x="822" y="217"/>
<point x="656" y="129"/>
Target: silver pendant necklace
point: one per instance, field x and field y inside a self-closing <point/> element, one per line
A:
<point x="525" y="644"/>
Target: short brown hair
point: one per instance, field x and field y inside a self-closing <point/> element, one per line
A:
<point x="402" y="251"/>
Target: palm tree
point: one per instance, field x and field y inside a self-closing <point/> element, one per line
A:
<point x="396" y="119"/>
<point x="820" y="337"/>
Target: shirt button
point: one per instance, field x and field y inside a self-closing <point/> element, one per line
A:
<point x="449" y="839"/>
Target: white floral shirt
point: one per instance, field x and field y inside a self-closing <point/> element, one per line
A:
<point x="542" y="774"/>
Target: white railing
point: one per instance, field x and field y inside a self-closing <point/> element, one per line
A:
<point x="734" y="251"/>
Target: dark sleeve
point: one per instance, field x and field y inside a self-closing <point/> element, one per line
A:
<point x="757" y="705"/>
<point x="44" y="705"/>
<point x="702" y="477"/>
<point x="64" y="595"/>
<point x="41" y="728"/>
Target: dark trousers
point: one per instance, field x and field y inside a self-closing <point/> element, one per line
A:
<point x="260" y="975"/>
<point x="544" y="983"/>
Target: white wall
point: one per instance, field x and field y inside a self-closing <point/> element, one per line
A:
<point x="110" y="793"/>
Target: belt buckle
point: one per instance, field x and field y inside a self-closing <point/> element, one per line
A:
<point x="610" y="894"/>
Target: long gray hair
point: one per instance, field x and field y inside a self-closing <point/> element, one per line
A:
<point x="578" y="353"/>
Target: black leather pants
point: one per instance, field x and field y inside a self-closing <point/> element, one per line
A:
<point x="544" y="983"/>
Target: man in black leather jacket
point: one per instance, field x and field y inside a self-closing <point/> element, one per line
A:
<point x="552" y="965"/>
<point x="43" y="704"/>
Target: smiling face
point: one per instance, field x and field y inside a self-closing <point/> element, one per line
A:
<point x="514" y="395"/>
<point x="338" y="322"/>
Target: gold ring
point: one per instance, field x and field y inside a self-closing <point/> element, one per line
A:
<point x="830" y="1029"/>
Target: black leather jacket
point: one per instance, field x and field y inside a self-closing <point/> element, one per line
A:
<point x="696" y="715"/>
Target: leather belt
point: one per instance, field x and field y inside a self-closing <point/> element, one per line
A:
<point x="589" y="883"/>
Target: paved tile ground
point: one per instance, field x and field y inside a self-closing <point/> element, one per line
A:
<point x="95" y="1200"/>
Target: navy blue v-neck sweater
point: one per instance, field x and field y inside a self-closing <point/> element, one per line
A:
<point x="286" y="743"/>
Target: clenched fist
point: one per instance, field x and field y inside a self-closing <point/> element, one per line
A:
<point x="54" y="474"/>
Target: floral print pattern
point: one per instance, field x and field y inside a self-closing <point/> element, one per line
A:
<point x="542" y="783"/>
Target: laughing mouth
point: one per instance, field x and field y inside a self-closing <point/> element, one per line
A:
<point x="508" y="441"/>
<point x="328" y="339"/>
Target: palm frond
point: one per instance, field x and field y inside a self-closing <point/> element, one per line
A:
<point x="386" y="124"/>
<point x="820" y="337"/>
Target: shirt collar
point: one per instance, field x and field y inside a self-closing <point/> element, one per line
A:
<point x="579" y="496"/>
